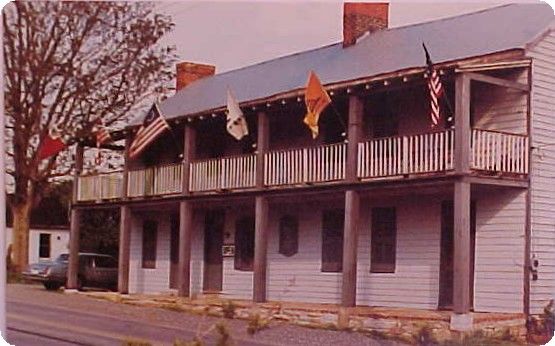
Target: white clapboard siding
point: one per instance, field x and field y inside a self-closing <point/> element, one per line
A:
<point x="394" y="156"/>
<point x="496" y="151"/>
<point x="238" y="172"/>
<point x="499" y="262"/>
<point x="236" y="284"/>
<point x="306" y="165"/>
<point x="155" y="280"/>
<point x="543" y="170"/>
<point x="415" y="282"/>
<point x="197" y="253"/>
<point x="499" y="108"/>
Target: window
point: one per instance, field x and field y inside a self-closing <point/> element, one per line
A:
<point x="288" y="235"/>
<point x="332" y="240"/>
<point x="244" y="243"/>
<point x="44" y="245"/>
<point x="150" y="231"/>
<point x="384" y="238"/>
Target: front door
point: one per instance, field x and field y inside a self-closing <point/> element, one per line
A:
<point x="174" y="251"/>
<point x="446" y="255"/>
<point x="213" y="241"/>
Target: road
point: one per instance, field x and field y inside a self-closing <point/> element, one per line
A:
<point x="39" y="317"/>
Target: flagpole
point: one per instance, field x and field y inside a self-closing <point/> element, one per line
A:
<point x="339" y="117"/>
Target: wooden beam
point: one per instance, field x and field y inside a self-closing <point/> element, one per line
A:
<point x="516" y="183"/>
<point x="262" y="143"/>
<point x="126" y="159"/>
<point x="350" y="243"/>
<point x="461" y="245"/>
<point x="189" y="149"/>
<point x="497" y="81"/>
<point x="75" y="219"/>
<point x="124" y="249"/>
<point x="462" y="124"/>
<point x="73" y="265"/>
<point x="260" y="249"/>
<point x="185" y="236"/>
<point x="356" y="112"/>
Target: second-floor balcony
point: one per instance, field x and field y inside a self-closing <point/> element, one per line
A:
<point x="400" y="157"/>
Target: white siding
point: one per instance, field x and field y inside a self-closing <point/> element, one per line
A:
<point x="498" y="108"/>
<point x="299" y="277"/>
<point x="499" y="262"/>
<point x="197" y="253"/>
<point x="155" y="280"/>
<point x="415" y="282"/>
<point x="59" y="243"/>
<point x="236" y="283"/>
<point x="543" y="171"/>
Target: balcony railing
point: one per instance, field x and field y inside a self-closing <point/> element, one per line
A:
<point x="155" y="181"/>
<point x="500" y="152"/>
<point x="237" y="172"/>
<point x="431" y="153"/>
<point x="393" y="156"/>
<point x="99" y="187"/>
<point x="307" y="165"/>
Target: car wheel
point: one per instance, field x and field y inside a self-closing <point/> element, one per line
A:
<point x="51" y="286"/>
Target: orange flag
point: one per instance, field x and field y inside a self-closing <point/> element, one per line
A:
<point x="316" y="99"/>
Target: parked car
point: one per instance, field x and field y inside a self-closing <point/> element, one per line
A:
<point x="95" y="270"/>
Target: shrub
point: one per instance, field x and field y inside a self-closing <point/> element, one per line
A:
<point x="228" y="309"/>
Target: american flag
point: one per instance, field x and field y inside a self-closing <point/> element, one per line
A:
<point x="436" y="90"/>
<point x="153" y="125"/>
<point x="102" y="135"/>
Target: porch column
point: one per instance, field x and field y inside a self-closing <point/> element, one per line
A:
<point x="125" y="188"/>
<point x="261" y="147"/>
<point x="350" y="241"/>
<point x="462" y="124"/>
<point x="461" y="245"/>
<point x="124" y="244"/>
<point x="356" y="110"/>
<point x="188" y="155"/>
<point x="75" y="219"/>
<point x="260" y="249"/>
<point x="185" y="232"/>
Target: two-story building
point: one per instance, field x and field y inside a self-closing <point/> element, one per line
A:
<point x="381" y="209"/>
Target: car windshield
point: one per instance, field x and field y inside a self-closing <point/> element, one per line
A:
<point x="62" y="258"/>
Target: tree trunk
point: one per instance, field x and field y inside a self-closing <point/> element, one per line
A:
<point x="21" y="221"/>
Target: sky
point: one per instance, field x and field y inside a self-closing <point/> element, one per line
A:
<point x="234" y="34"/>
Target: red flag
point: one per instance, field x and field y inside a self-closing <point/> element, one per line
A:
<point x="50" y="146"/>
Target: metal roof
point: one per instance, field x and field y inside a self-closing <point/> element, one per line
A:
<point x="475" y="34"/>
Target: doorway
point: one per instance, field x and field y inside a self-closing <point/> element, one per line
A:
<point x="445" y="301"/>
<point x="213" y="259"/>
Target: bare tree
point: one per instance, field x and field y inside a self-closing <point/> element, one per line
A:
<point x="66" y="65"/>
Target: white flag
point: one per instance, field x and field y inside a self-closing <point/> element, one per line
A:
<point x="236" y="123"/>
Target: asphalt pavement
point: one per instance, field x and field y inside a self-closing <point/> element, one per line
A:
<point x="43" y="318"/>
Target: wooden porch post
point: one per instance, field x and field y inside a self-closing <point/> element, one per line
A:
<point x="462" y="124"/>
<point x="352" y="202"/>
<point x="461" y="245"/>
<point x="260" y="249"/>
<point x="188" y="155"/>
<point x="124" y="249"/>
<point x="185" y="232"/>
<point x="261" y="147"/>
<point x="356" y="109"/>
<point x="73" y="266"/>
<point x="350" y="242"/>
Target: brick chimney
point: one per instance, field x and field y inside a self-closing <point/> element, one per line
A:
<point x="188" y="72"/>
<point x="362" y="17"/>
